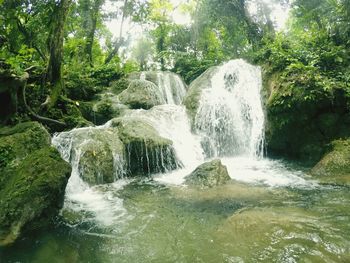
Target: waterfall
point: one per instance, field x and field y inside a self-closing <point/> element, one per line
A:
<point x="171" y="87"/>
<point x="230" y="116"/>
<point x="228" y="123"/>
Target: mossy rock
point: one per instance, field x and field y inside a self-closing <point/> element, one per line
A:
<point x="98" y="163"/>
<point x="146" y="151"/>
<point x="208" y="174"/>
<point x="334" y="167"/>
<point x="192" y="98"/>
<point x="32" y="193"/>
<point x="151" y="76"/>
<point x="19" y="141"/>
<point x="141" y="94"/>
<point x="120" y="85"/>
<point x="302" y="115"/>
<point x="33" y="178"/>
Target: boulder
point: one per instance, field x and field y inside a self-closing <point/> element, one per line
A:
<point x="146" y="151"/>
<point x="141" y="94"/>
<point x="208" y="174"/>
<point x="33" y="179"/>
<point x="334" y="167"/>
<point x="101" y="157"/>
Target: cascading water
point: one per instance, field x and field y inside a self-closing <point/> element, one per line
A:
<point x="229" y="124"/>
<point x="141" y="220"/>
<point x="171" y="87"/>
<point x="230" y="117"/>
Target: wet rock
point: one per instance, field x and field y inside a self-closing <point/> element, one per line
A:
<point x="141" y="94"/>
<point x="334" y="167"/>
<point x="101" y="159"/>
<point x="98" y="153"/>
<point x="209" y="174"/>
<point x="33" y="178"/>
<point x="191" y="100"/>
<point x="146" y="151"/>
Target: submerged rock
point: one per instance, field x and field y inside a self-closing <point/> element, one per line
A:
<point x="334" y="167"/>
<point x="33" y="178"/>
<point x="146" y="151"/>
<point x="209" y="174"/>
<point x="141" y="94"/>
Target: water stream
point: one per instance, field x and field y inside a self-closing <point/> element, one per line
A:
<point x="270" y="212"/>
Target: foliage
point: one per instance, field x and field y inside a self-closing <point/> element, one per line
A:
<point x="190" y="67"/>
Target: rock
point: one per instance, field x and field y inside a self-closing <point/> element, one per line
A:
<point x="334" y="167"/>
<point x="208" y="174"/>
<point x="146" y="151"/>
<point x="302" y="114"/>
<point x="96" y="152"/>
<point x="148" y="75"/>
<point x="102" y="155"/>
<point x="19" y="141"/>
<point x="191" y="100"/>
<point x="141" y="94"/>
<point x="33" y="179"/>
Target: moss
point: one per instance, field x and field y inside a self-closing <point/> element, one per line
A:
<point x="146" y="151"/>
<point x="208" y="174"/>
<point x="18" y="141"/>
<point x="303" y="110"/>
<point x="334" y="167"/>
<point x="141" y="94"/>
<point x="97" y="156"/>
<point x="32" y="193"/>
<point x="118" y="86"/>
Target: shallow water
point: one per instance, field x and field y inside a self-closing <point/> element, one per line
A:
<point x="292" y="219"/>
<point x="271" y="211"/>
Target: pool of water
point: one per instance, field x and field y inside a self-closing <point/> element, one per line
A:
<point x="284" y="217"/>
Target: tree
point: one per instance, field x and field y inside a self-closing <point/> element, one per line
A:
<point x="55" y="44"/>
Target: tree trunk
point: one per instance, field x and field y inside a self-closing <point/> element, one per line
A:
<point x="91" y="34"/>
<point x="119" y="41"/>
<point x="54" y="74"/>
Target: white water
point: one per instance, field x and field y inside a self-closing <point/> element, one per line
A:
<point x="230" y="116"/>
<point x="229" y="124"/>
<point x="80" y="197"/>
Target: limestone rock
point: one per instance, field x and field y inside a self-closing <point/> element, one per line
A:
<point x="141" y="94"/>
<point x="209" y="174"/>
<point x="33" y="179"/>
<point x="146" y="151"/>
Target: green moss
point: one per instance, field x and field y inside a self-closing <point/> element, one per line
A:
<point x="118" y="86"/>
<point x="334" y="167"/>
<point x="209" y="174"/>
<point x="32" y="194"/>
<point x="146" y="151"/>
<point x="97" y="158"/>
<point x="303" y="108"/>
<point x="141" y="94"/>
<point x="18" y="141"/>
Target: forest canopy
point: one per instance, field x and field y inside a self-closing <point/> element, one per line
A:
<point x="81" y="43"/>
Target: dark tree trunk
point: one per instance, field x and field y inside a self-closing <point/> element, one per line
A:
<point x="54" y="74"/>
<point x="91" y="34"/>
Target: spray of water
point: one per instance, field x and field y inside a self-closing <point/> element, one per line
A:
<point x="230" y="116"/>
